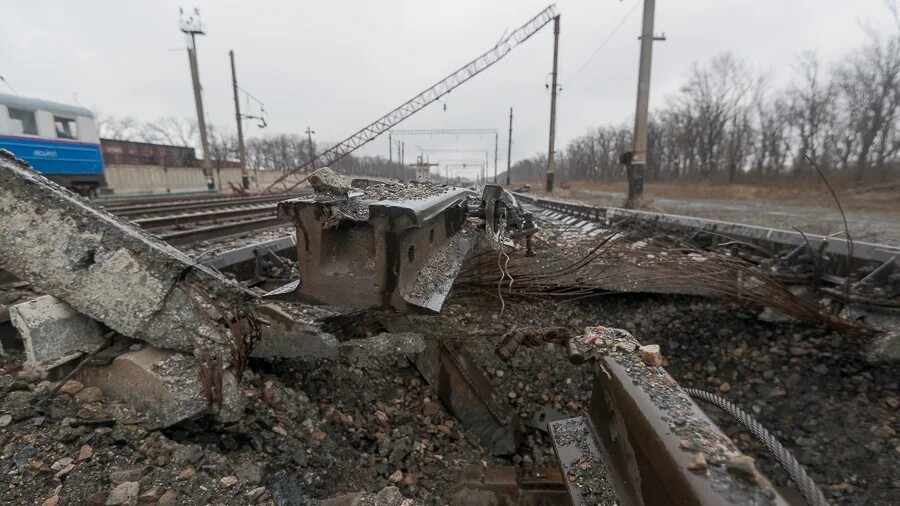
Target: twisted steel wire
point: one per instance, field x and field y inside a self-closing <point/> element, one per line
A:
<point x="786" y="460"/>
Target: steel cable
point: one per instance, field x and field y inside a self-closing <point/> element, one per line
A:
<point x="785" y="459"/>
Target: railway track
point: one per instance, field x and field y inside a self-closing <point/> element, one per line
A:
<point x="190" y="221"/>
<point x="159" y="198"/>
<point x="127" y="210"/>
<point x="826" y="261"/>
<point x="191" y="218"/>
<point x="221" y="230"/>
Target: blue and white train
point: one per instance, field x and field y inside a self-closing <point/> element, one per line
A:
<point x="60" y="141"/>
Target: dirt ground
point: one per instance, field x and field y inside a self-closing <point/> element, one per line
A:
<point x="872" y="217"/>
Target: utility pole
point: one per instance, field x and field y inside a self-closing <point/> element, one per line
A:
<point x="401" y="145"/>
<point x="312" y="150"/>
<point x="390" y="149"/>
<point x="496" y="146"/>
<point x="509" y="148"/>
<point x="242" y="154"/>
<point x="551" y="155"/>
<point x="191" y="26"/>
<point x="637" y="161"/>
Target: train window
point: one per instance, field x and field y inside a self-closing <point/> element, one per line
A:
<point x="23" y="121"/>
<point x="65" y="128"/>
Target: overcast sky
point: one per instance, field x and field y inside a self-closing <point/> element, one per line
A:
<point x="337" y="65"/>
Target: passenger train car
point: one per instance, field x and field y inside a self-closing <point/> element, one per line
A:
<point x="60" y="141"/>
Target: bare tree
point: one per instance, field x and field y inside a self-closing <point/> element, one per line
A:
<point x="811" y="106"/>
<point x="173" y="131"/>
<point x="869" y="85"/>
<point x="223" y="147"/>
<point x="125" y="128"/>
<point x="717" y="94"/>
<point x="773" y="139"/>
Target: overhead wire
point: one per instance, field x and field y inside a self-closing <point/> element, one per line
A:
<point x="603" y="44"/>
<point x="9" y="85"/>
<point x="587" y="62"/>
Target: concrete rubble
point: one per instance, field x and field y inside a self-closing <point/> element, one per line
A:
<point x="285" y="334"/>
<point x="162" y="385"/>
<point x="199" y="326"/>
<point x="117" y="274"/>
<point x="291" y="331"/>
<point x="53" y="332"/>
<point x="101" y="269"/>
<point x="328" y="181"/>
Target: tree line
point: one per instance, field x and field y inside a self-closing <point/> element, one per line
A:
<point x="727" y="124"/>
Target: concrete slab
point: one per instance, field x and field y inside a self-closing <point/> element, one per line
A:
<point x="53" y="332"/>
<point x="117" y="274"/>
<point x="383" y="345"/>
<point x="286" y="336"/>
<point x="164" y="386"/>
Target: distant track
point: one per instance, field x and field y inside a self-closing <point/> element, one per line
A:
<point x="212" y="232"/>
<point x="188" y="221"/>
<point x="193" y="218"/>
<point x="774" y="238"/>
<point x="144" y="209"/>
<point x="786" y="245"/>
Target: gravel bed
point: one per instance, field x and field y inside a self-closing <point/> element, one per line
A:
<point x="343" y="426"/>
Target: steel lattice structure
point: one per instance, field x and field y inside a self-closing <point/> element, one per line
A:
<point x="448" y="131"/>
<point x="292" y="179"/>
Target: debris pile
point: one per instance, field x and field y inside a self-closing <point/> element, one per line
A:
<point x="366" y="407"/>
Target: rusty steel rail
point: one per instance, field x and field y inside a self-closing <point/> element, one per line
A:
<point x="185" y="237"/>
<point x="253" y="262"/>
<point x="163" y="208"/>
<point x="177" y="220"/>
<point x="155" y="198"/>
<point x="469" y="395"/>
<point x="581" y="462"/>
<point x="646" y="438"/>
<point x="508" y="486"/>
<point x="400" y="249"/>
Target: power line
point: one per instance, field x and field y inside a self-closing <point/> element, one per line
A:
<point x="250" y="95"/>
<point x="530" y="130"/>
<point x="10" y="86"/>
<point x="447" y="131"/>
<point x="292" y="179"/>
<point x="602" y="44"/>
<point x="551" y="158"/>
